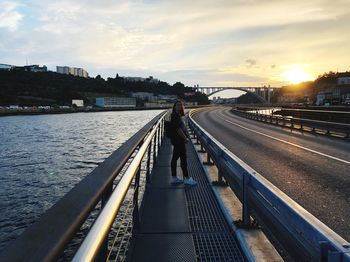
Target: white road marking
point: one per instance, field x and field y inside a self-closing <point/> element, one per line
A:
<point x="286" y="142"/>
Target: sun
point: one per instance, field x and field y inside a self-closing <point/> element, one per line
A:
<point x="296" y="76"/>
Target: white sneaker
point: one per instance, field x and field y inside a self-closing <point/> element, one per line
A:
<point x="190" y="182"/>
<point x="176" y="181"/>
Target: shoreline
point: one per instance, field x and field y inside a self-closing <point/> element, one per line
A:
<point x="80" y="110"/>
<point x="73" y="110"/>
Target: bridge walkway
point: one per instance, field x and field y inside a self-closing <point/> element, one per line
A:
<point x="180" y="223"/>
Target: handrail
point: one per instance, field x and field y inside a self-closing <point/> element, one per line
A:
<point x="47" y="238"/>
<point x="300" y="233"/>
<point x="313" y="124"/>
<point x="89" y="249"/>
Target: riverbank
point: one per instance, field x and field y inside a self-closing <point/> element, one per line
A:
<point x="14" y="112"/>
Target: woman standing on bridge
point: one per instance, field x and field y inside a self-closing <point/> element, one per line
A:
<point x="179" y="139"/>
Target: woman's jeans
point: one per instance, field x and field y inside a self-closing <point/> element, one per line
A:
<point x="179" y="151"/>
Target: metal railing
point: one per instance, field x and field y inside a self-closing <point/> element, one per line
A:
<point x="327" y="128"/>
<point x="91" y="245"/>
<point x="302" y="235"/>
<point x="48" y="238"/>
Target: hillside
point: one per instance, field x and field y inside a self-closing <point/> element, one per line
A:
<point x="306" y="92"/>
<point x="49" y="88"/>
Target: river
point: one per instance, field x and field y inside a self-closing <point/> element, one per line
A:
<point x="42" y="157"/>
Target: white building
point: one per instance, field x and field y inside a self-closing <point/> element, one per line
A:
<point x="75" y="71"/>
<point x="113" y="102"/>
<point x="78" y="102"/>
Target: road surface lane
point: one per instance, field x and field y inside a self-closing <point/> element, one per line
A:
<point x="313" y="170"/>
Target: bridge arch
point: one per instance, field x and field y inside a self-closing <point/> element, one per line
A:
<point x="260" y="98"/>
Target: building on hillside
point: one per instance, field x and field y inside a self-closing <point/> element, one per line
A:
<point x="27" y="68"/>
<point x="144" y="96"/>
<point x="78" y="102"/>
<point x="75" y="71"/>
<point x="158" y="104"/>
<point x="344" y="80"/>
<point x="169" y="98"/>
<point x="141" y="79"/>
<point x="334" y="96"/>
<point x="62" y="70"/>
<point x="6" y="67"/>
<point x="114" y="102"/>
<point x="31" y="68"/>
<point x="134" y="79"/>
<point x="320" y="97"/>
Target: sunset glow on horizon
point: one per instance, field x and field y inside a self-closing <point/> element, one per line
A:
<point x="210" y="43"/>
<point x="296" y="75"/>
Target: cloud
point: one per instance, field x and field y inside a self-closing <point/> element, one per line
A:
<point x="250" y="63"/>
<point x="200" y="41"/>
<point x="9" y="16"/>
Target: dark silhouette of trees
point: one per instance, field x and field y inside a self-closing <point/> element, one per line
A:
<point x="27" y="88"/>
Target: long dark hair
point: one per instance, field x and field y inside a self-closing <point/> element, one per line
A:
<point x="174" y="107"/>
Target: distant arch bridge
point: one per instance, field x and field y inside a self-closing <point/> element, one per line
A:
<point x="263" y="94"/>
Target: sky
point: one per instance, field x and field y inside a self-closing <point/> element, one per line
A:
<point x="210" y="43"/>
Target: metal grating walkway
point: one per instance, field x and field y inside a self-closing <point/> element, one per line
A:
<point x="182" y="224"/>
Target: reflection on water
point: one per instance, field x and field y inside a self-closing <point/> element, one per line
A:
<point x="43" y="157"/>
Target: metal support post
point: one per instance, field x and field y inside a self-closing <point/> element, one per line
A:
<point x="158" y="139"/>
<point x="135" y="214"/>
<point x="161" y="131"/>
<point x="154" y="150"/>
<point x="246" y="209"/>
<point x="148" y="171"/>
<point x="197" y="141"/>
<point x="202" y="150"/>
<point x="220" y="181"/>
<point x="208" y="162"/>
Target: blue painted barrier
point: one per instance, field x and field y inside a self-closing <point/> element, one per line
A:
<point x="301" y="234"/>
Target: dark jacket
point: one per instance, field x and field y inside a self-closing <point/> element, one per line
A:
<point x="176" y="123"/>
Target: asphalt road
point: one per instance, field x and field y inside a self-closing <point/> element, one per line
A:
<point x="314" y="170"/>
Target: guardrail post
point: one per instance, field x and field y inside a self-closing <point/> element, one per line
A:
<point x="208" y="162"/>
<point x="162" y="130"/>
<point x="220" y="176"/>
<point x="154" y="150"/>
<point x="158" y="138"/>
<point x="201" y="150"/>
<point x="197" y="141"/>
<point x="135" y="214"/>
<point x="245" y="209"/>
<point x="148" y="171"/>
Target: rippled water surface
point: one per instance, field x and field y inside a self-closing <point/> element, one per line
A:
<point x="43" y="157"/>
